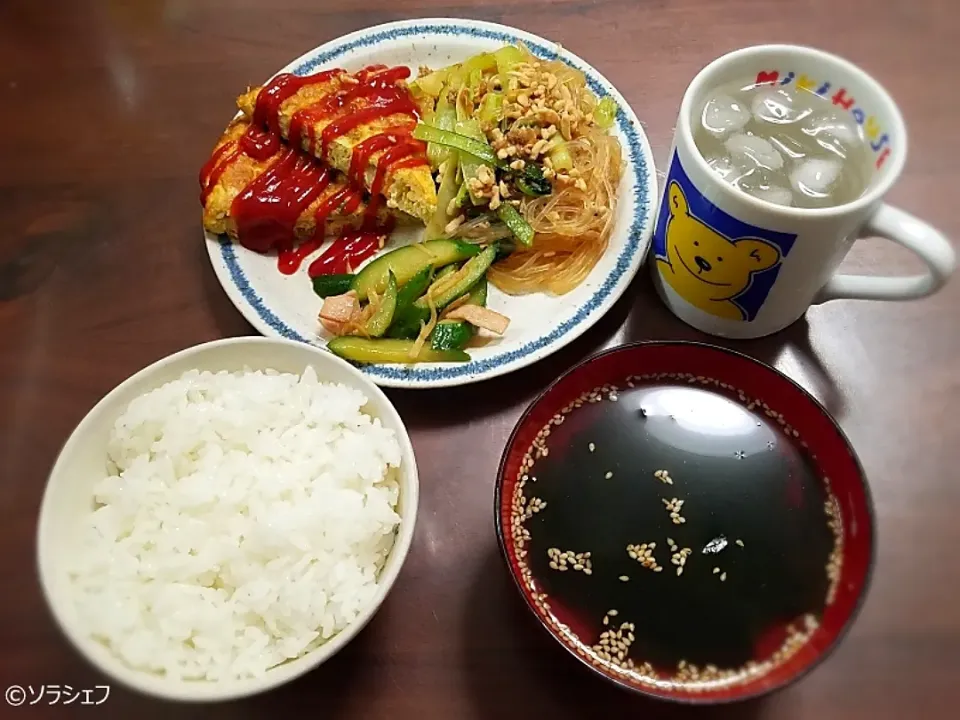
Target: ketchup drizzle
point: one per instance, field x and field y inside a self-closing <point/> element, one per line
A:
<point x="388" y="101"/>
<point x="369" y="84"/>
<point x="290" y="258"/>
<point x="346" y="253"/>
<point x="283" y="86"/>
<point x="213" y="168"/>
<point x="266" y="211"/>
<point x="259" y="144"/>
<point x="346" y="196"/>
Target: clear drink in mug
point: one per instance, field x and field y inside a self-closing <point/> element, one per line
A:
<point x="787" y="146"/>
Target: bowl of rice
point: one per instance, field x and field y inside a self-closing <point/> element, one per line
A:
<point x="227" y="519"/>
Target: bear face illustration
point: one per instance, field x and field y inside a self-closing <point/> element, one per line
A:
<point x="706" y="268"/>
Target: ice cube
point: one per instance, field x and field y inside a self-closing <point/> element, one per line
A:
<point x="744" y="147"/>
<point x="774" y="194"/>
<point x="757" y="181"/>
<point x="723" y="114"/>
<point x="721" y="165"/>
<point x="833" y="131"/>
<point x="816" y="177"/>
<point x="789" y="146"/>
<point x="774" y="105"/>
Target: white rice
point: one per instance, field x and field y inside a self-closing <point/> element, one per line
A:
<point x="243" y="521"/>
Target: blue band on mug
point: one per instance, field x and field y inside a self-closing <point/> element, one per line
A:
<point x="714" y="261"/>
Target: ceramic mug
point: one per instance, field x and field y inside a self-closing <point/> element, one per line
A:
<point x="732" y="265"/>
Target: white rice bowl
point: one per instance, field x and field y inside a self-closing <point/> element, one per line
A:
<point x="246" y="523"/>
<point x="209" y="533"/>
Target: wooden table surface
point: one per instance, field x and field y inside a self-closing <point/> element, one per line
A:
<point x="107" y="111"/>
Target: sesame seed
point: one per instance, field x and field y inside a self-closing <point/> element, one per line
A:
<point x="716" y="570"/>
<point x="612" y="613"/>
<point x="658" y="569"/>
<point x="739" y="542"/>
<point x="608" y="475"/>
<point x="680" y="571"/>
<point x="592" y="447"/>
<point x="624" y="578"/>
<point x="723" y="577"/>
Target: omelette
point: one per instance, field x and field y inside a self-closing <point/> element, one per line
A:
<point x="357" y="123"/>
<point x="230" y="173"/>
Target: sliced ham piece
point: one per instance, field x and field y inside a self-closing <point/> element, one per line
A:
<point x="338" y="310"/>
<point x="481" y="317"/>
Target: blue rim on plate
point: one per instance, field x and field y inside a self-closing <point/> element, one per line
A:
<point x="638" y="235"/>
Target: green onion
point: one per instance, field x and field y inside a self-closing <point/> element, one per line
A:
<point x="605" y="112"/>
<point x="508" y="57"/>
<point x="464" y="107"/>
<point x="560" y="156"/>
<point x="462" y="74"/>
<point x="520" y="228"/>
<point x="432" y="84"/>
<point x="491" y="108"/>
<point x="473" y="82"/>
<point x="484" y="62"/>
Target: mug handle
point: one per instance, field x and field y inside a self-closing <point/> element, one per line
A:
<point x="915" y="235"/>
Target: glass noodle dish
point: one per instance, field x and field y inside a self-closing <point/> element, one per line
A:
<point x="511" y="135"/>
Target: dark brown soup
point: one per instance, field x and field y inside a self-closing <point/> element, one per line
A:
<point x="749" y="535"/>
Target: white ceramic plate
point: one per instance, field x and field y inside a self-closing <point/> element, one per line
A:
<point x="282" y="305"/>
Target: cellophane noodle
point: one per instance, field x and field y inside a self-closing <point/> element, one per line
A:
<point x="427" y="327"/>
<point x="572" y="225"/>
